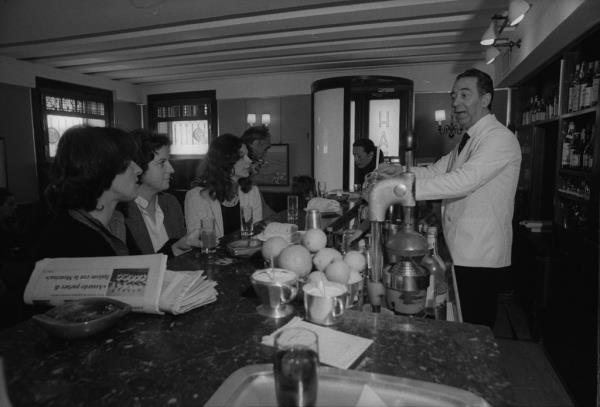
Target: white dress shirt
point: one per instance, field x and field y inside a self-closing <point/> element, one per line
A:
<point x="478" y="190"/>
<point x="155" y="225"/>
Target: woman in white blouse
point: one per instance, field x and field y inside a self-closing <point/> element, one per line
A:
<point x="217" y="193"/>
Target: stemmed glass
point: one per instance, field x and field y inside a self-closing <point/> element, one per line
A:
<point x="322" y="186"/>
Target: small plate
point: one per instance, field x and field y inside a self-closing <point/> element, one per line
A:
<point x="244" y="247"/>
<point x="81" y="318"/>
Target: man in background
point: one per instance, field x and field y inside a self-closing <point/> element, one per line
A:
<point x="258" y="141"/>
<point x="364" y="151"/>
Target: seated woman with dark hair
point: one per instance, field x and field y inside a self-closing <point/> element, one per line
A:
<point x="216" y="193"/>
<point x="93" y="171"/>
<point x="154" y="220"/>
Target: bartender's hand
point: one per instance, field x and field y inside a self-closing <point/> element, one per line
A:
<point x="186" y="243"/>
<point x="389" y="170"/>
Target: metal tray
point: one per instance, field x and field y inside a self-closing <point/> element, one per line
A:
<point x="253" y="385"/>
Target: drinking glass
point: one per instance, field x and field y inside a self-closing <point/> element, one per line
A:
<point x="295" y="367"/>
<point x="208" y="235"/>
<point x="246" y="221"/>
<point x="322" y="186"/>
<point x="292" y="208"/>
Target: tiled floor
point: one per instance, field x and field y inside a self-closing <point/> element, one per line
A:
<point x="534" y="381"/>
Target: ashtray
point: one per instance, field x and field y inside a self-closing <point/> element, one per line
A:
<point x="244" y="247"/>
<point x="83" y="317"/>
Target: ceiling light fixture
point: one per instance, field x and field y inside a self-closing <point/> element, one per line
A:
<point x="489" y="36"/>
<point x="516" y="11"/>
<point x="492" y="53"/>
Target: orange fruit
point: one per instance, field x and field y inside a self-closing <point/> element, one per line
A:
<point x="325" y="256"/>
<point x="356" y="260"/>
<point x="295" y="258"/>
<point x="338" y="271"/>
<point x="314" y="240"/>
<point x="272" y="247"/>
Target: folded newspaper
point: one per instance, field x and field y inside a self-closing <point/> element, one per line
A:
<point x="140" y="281"/>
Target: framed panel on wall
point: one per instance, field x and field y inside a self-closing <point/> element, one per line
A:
<point x="275" y="168"/>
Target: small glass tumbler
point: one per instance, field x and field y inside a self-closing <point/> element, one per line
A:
<point x="246" y="222"/>
<point x="292" y="208"/>
<point x="208" y="235"/>
<point x="295" y="367"/>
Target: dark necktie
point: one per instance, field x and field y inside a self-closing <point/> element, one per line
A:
<point x="464" y="140"/>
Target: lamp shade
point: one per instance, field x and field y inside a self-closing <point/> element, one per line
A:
<point x="490" y="54"/>
<point x="489" y="36"/>
<point x="251" y="119"/>
<point x="440" y="115"/>
<point x="516" y="11"/>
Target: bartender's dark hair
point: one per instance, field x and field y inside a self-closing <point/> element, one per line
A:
<point x="87" y="160"/>
<point x="485" y="84"/>
<point x="214" y="173"/>
<point x="148" y="145"/>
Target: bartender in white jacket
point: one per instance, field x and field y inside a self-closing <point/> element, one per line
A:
<point x="477" y="181"/>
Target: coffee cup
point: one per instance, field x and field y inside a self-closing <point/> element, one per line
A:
<point x="324" y="303"/>
<point x="275" y="287"/>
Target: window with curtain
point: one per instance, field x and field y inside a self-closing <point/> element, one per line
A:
<point x="189" y="119"/>
<point x="63" y="105"/>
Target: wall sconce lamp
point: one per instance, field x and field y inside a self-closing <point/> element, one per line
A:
<point x="265" y="119"/>
<point x="449" y="130"/>
<point x="516" y="11"/>
<point x="492" y="53"/>
<point x="514" y="15"/>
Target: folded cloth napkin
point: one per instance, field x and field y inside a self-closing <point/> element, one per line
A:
<point x="286" y="230"/>
<point x="324" y="205"/>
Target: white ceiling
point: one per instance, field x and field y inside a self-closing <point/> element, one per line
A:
<point x="151" y="42"/>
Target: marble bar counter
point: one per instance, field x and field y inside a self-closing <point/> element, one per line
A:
<point x="166" y="360"/>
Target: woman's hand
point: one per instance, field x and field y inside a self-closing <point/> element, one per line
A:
<point x="258" y="227"/>
<point x="186" y="243"/>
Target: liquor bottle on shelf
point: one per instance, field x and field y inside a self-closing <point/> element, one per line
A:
<point x="595" y="83"/>
<point x="550" y="108"/>
<point x="582" y="86"/>
<point x="574" y="90"/>
<point x="555" y="105"/>
<point x="588" y="81"/>
<point x="588" y="150"/>
<point x="575" y="151"/>
<point x="565" y="161"/>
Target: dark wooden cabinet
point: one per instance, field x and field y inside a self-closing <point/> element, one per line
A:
<point x="558" y="187"/>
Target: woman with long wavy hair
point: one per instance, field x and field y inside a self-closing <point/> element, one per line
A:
<point x="216" y="193"/>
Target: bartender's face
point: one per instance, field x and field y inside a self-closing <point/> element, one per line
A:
<point x="361" y="158"/>
<point x="467" y="104"/>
